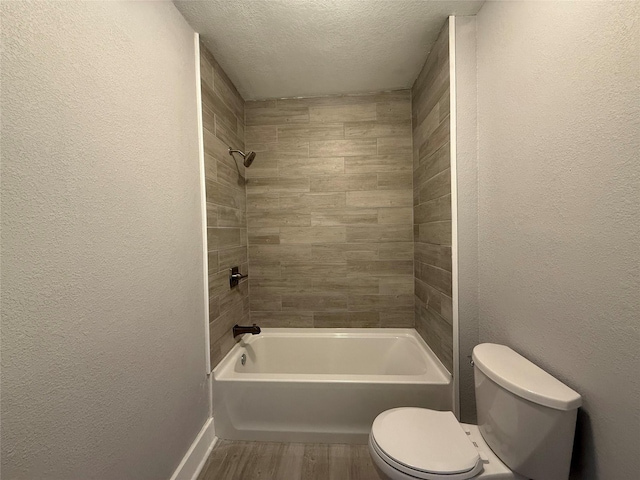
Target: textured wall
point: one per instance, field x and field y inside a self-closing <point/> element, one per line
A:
<point x="103" y="358"/>
<point x="432" y="201"/>
<point x="223" y="121"/>
<point x="559" y="189"/>
<point x="329" y="211"/>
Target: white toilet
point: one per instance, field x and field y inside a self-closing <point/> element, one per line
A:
<point x="526" y="425"/>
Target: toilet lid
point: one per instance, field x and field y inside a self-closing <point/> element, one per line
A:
<point x="425" y="443"/>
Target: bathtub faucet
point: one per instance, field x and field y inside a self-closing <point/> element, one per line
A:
<point x="241" y="330"/>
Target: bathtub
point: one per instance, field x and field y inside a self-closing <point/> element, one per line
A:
<point x="323" y="385"/>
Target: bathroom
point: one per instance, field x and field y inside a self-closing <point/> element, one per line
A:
<point x="427" y="177"/>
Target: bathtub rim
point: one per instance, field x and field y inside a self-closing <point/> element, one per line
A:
<point x="223" y="370"/>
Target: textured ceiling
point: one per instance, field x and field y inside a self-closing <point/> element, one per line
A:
<point x="290" y="48"/>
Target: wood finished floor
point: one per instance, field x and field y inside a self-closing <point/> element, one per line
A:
<point x="232" y="460"/>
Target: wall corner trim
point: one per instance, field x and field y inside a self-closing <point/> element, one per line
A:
<point x="198" y="453"/>
<point x="454" y="213"/>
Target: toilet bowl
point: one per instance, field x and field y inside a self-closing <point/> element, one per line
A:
<point x="416" y="443"/>
<point x="526" y="425"/>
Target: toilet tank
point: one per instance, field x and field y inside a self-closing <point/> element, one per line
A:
<point x="526" y="416"/>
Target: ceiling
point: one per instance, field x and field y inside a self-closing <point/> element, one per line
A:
<point x="294" y="48"/>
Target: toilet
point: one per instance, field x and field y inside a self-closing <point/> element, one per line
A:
<point x="526" y="426"/>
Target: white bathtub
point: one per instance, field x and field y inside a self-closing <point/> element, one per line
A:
<point x="323" y="385"/>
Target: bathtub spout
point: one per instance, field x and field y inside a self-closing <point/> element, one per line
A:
<point x="241" y="330"/>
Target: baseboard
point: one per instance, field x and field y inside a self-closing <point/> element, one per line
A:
<point x="197" y="455"/>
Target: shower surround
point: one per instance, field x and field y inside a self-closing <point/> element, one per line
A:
<point x="329" y="211"/>
<point x="223" y="127"/>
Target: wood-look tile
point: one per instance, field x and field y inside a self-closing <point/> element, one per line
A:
<point x="227" y="91"/>
<point x="310" y="166"/>
<point x="395" y="145"/>
<point x="344" y="217"/>
<point x="394" y="111"/>
<point x="229" y="176"/>
<point x="343" y="183"/>
<point x="397" y="319"/>
<point x="313" y="235"/>
<point x="438" y="233"/>
<point x="312" y="131"/>
<point x="396" y="251"/>
<point x="379" y="163"/>
<point x="265" y="302"/>
<point x="310" y="169"/>
<point x="348" y="99"/>
<point x="215" y="104"/>
<point x="254" y="134"/>
<point x="436" y="277"/>
<point x="231" y="217"/>
<point x="281" y="149"/>
<point x="381" y="303"/>
<point x="436" y="186"/>
<point x="346" y="319"/>
<point x="380" y="267"/>
<point x="253" y="104"/>
<point x="218" y="238"/>
<point x="375" y="129"/>
<point x="228" y="135"/>
<point x="206" y="71"/>
<point x="379" y="233"/>
<point x="269" y="319"/>
<point x="225" y="196"/>
<point x="395" y="216"/>
<point x="306" y="269"/>
<point x="262" y="201"/>
<point x="208" y="119"/>
<point x="279" y="217"/>
<point x="278" y="185"/>
<point x="294" y="253"/>
<point x="432" y="165"/>
<point x="342" y="148"/>
<point x="212" y="262"/>
<point x="341" y="252"/>
<point x="380" y="198"/>
<point x="396" y="284"/>
<point x="276" y="116"/>
<point x="212" y="214"/>
<point x="315" y="462"/>
<point x="342" y="113"/>
<point x="395" y="181"/>
<point x="223" y="117"/>
<point x="437" y="139"/>
<point x="314" y="302"/>
<point x="314" y="201"/>
<point x="433" y="210"/>
<point x="231" y="257"/>
<point x="436" y="255"/>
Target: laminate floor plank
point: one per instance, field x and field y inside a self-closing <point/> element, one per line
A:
<point x="235" y="460"/>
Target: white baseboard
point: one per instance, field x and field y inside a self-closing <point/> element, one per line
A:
<point x="197" y="455"/>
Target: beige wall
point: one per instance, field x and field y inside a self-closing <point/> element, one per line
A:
<point x="432" y="201"/>
<point x="329" y="211"/>
<point x="559" y="223"/>
<point x="223" y="122"/>
<point x="103" y="357"/>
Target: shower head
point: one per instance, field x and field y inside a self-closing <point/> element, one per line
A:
<point x="248" y="160"/>
<point x="249" y="157"/>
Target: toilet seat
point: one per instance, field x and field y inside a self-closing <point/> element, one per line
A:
<point x="425" y="444"/>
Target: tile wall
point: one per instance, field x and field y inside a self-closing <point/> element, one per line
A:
<point x="223" y="119"/>
<point x="432" y="201"/>
<point x="329" y="211"/>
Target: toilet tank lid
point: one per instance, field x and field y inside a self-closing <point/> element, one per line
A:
<point x="518" y="375"/>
